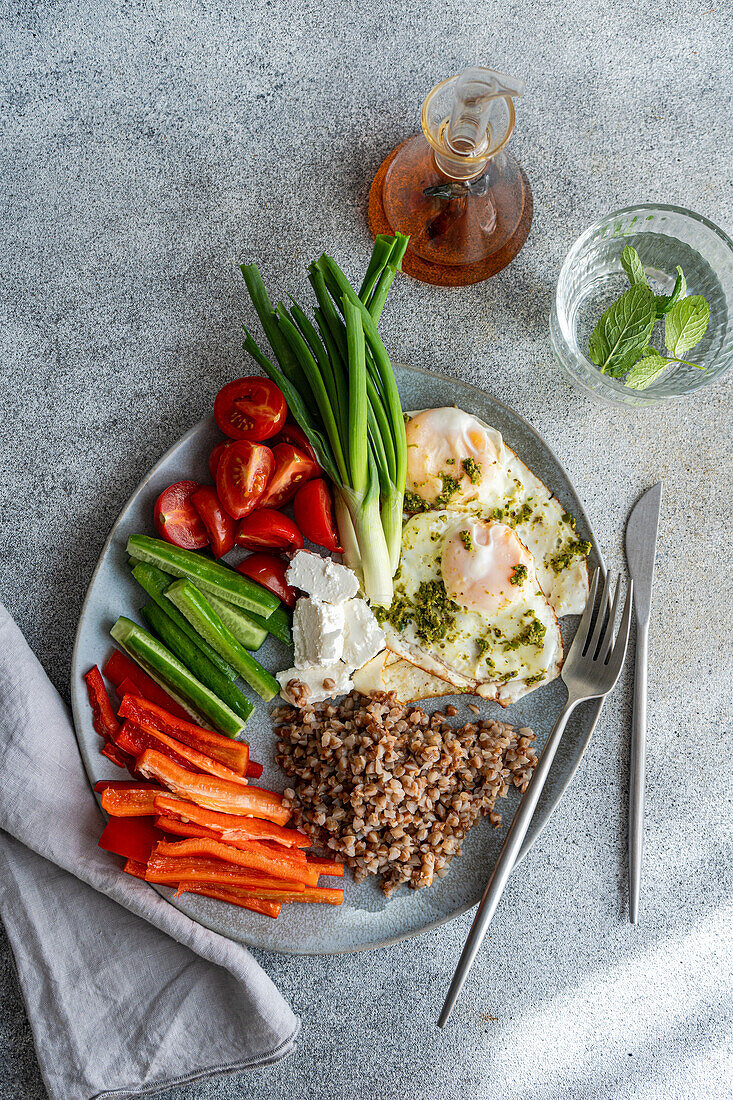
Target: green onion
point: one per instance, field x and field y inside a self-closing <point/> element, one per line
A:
<point x="340" y="387"/>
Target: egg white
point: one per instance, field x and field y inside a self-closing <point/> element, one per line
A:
<point x="476" y="654"/>
<point x="438" y="442"/>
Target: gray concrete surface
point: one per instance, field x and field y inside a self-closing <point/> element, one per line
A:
<point x="148" y="148"/>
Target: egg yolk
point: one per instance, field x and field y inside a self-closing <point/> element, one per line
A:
<point x="485" y="567"/>
<point x="439" y="442"/>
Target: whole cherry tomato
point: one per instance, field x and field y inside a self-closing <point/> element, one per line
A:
<point x="268" y="530"/>
<point x="250" y="408"/>
<point x="313" y="511"/>
<point x="269" y="570"/>
<point x="242" y="475"/>
<point x="293" y="434"/>
<point x="214" y="457"/>
<point x="292" y="468"/>
<point x="219" y="525"/>
<point x="176" y="519"/>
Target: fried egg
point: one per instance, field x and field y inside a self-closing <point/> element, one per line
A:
<point x="468" y="607"/>
<point x="456" y="462"/>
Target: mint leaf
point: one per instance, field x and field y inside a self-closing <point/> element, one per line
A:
<point x="633" y="266"/>
<point x="685" y="324"/>
<point x="666" y="301"/>
<point x="623" y="331"/>
<point x="646" y="371"/>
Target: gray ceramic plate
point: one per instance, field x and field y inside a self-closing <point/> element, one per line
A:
<point x="365" y="919"/>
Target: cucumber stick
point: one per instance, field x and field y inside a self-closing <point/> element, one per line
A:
<point x="228" y="584"/>
<point x="242" y="626"/>
<point x="202" y="617"/>
<point x="278" y="624"/>
<point x="174" y="677"/>
<point x="189" y="654"/>
<point x="154" y="581"/>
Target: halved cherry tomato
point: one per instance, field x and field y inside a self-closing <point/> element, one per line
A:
<point x="268" y="529"/>
<point x="269" y="571"/>
<point x="242" y="476"/>
<point x="250" y="408"/>
<point x="176" y="519"/>
<point x="293" y="434"/>
<point x="214" y="457"/>
<point x="313" y="511"/>
<point x="292" y="468"/>
<point x="219" y="525"/>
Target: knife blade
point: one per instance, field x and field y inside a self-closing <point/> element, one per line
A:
<point x="641" y="548"/>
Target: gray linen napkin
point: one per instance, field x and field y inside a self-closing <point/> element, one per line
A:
<point x="125" y="995"/>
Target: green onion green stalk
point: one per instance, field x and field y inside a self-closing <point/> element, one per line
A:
<point x="339" y="384"/>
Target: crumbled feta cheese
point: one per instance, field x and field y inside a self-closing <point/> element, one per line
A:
<point x="318" y="633"/>
<point x="312" y="685"/>
<point x="322" y="578"/>
<point x="363" y="636"/>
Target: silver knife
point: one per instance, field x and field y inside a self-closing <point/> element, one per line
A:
<point x="641" y="546"/>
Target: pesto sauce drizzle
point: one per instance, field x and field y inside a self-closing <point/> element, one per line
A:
<point x="472" y="470"/>
<point x="574" y="548"/>
<point x="415" y="503"/>
<point x="432" y="612"/>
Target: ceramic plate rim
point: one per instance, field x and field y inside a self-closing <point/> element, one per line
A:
<point x="78" y="696"/>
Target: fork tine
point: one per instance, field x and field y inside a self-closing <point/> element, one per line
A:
<point x="619" y="650"/>
<point x="603" y="607"/>
<point x="607" y="639"/>
<point x="581" y="634"/>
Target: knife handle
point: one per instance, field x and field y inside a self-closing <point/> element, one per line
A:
<point x="637" y="781"/>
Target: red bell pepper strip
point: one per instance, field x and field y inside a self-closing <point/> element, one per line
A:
<point x="244" y="899"/>
<point x="255" y="857"/>
<point x="323" y="894"/>
<point x="181" y="828"/>
<point x="131" y="837"/>
<point x="169" y="871"/>
<point x="210" y="792"/>
<point x="135" y="739"/>
<point x="133" y="802"/>
<point x="326" y="866"/>
<point x="271" y="846"/>
<point x="125" y="785"/>
<point x="254" y="770"/>
<point x="119" y="667"/>
<point x="229" y="827"/>
<point x="148" y="716"/>
<point x="103" y="715"/>
<point x="134" y="867"/>
<point x="127" y="687"/>
<point x="113" y="753"/>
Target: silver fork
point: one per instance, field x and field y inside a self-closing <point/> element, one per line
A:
<point x="591" y="669"/>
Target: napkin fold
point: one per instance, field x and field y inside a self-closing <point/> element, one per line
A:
<point x="125" y="994"/>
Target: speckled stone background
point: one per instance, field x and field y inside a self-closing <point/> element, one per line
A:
<point x="148" y="148"/>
